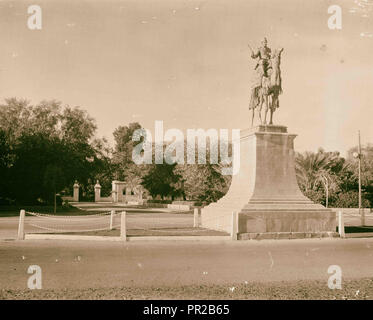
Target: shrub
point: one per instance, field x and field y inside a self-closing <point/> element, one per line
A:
<point x="349" y="199"/>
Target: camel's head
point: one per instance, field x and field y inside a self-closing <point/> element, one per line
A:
<point x="278" y="52"/>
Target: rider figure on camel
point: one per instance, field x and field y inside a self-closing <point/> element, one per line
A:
<point x="264" y="54"/>
<point x="266" y="83"/>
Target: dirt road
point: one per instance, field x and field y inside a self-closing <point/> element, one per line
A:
<point x="70" y="264"/>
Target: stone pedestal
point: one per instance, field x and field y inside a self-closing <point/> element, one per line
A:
<point x="265" y="192"/>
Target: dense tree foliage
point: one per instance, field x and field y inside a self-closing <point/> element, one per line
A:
<point x="366" y="171"/>
<point x="318" y="171"/>
<point x="203" y="182"/>
<point x="44" y="148"/>
<point x="124" y="168"/>
<point x="122" y="156"/>
<point x="162" y="180"/>
<point x="41" y="141"/>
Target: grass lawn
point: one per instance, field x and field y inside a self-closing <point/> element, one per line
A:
<point x="352" y="229"/>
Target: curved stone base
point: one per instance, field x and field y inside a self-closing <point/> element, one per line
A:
<point x="265" y="192"/>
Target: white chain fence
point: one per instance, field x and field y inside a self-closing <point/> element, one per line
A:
<point x="133" y="223"/>
<point x="40" y="222"/>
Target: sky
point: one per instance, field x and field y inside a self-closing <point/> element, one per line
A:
<point x="188" y="64"/>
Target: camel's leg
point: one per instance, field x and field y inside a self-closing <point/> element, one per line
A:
<point x="275" y="104"/>
<point x="266" y="109"/>
<point x="271" y="116"/>
<point x="271" y="110"/>
<point x="252" y="117"/>
<point x="260" y="109"/>
<point x="254" y="101"/>
<point x="260" y="114"/>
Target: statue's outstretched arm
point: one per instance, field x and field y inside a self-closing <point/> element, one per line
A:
<point x="255" y="55"/>
<point x="252" y="51"/>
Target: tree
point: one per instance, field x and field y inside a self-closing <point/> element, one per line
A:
<point x="314" y="168"/>
<point x="162" y="180"/>
<point x="134" y="177"/>
<point x="33" y="153"/>
<point x="45" y="135"/>
<point x="124" y="167"/>
<point x="102" y="166"/>
<point x="366" y="172"/>
<point x="203" y="182"/>
<point x="122" y="155"/>
<point x="54" y="181"/>
<point x="349" y="199"/>
<point x="77" y="127"/>
<point x="310" y="167"/>
<point x="5" y="163"/>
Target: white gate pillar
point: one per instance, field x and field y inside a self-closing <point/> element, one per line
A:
<point x="97" y="191"/>
<point x="76" y="191"/>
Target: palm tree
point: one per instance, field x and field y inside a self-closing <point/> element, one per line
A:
<point x="320" y="170"/>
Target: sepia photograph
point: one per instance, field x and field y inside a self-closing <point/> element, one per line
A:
<point x="186" y="155"/>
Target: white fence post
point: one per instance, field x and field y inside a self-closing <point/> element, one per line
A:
<point x="234" y="226"/>
<point x="341" y="224"/>
<point x="21" y="225"/>
<point x="111" y="219"/>
<point x="123" y="231"/>
<point x="196" y="218"/>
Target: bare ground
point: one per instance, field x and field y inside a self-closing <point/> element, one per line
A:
<point x="286" y="290"/>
